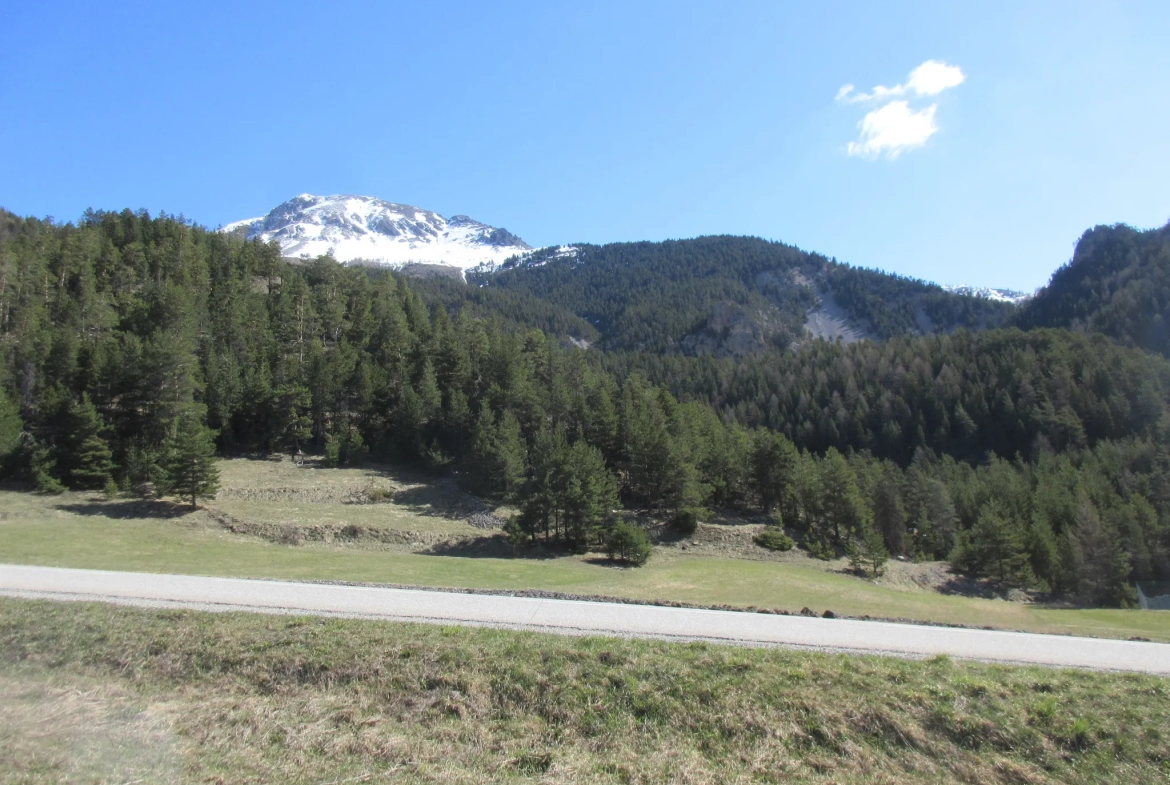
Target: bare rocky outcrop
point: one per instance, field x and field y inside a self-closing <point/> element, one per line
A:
<point x="829" y="321"/>
<point x="731" y="331"/>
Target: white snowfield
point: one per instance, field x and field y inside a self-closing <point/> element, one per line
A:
<point x="570" y="617"/>
<point x="363" y="228"/>
<point x="986" y="292"/>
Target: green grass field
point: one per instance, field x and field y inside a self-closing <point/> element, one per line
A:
<point x="168" y="546"/>
<point x="97" y="693"/>
<point x="74" y="530"/>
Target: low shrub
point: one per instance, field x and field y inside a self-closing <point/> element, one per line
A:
<point x="332" y="457"/>
<point x="628" y="543"/>
<point x="686" y="521"/>
<point x="819" y="549"/>
<point x="345" y="449"/>
<point x="774" y="539"/>
<point x="377" y="495"/>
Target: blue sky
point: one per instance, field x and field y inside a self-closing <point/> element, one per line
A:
<point x="603" y="122"/>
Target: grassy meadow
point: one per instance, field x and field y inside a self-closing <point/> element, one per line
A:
<point x="274" y="520"/>
<point x="97" y="693"/>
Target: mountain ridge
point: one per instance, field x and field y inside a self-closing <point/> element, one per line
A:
<point x="367" y="229"/>
<point x="730" y="295"/>
<point x="1117" y="283"/>
<point x="371" y="229"/>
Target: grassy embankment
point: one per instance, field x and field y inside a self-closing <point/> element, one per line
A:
<point x="93" y="693"/>
<point x="78" y="531"/>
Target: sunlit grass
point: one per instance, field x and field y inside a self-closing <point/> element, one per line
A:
<point x="101" y="693"/>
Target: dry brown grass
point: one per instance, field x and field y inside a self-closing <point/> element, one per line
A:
<point x="75" y="729"/>
<point x="239" y="698"/>
<point x="320" y="503"/>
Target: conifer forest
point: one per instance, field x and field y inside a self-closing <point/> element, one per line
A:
<point x="1028" y="444"/>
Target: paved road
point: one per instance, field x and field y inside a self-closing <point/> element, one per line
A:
<point x="570" y="617"/>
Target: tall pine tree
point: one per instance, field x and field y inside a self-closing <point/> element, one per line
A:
<point x="189" y="458"/>
<point x="89" y="459"/>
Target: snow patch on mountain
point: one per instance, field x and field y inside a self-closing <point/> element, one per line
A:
<point x="537" y="257"/>
<point x="362" y="228"/>
<point x="547" y="255"/>
<point x="999" y="295"/>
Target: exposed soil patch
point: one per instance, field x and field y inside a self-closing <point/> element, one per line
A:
<point x="314" y="501"/>
<point x="442" y="498"/>
<point x="486" y="520"/>
<point x="292" y="533"/>
<point x="939" y="577"/>
<point x="313" y="495"/>
<point x="731" y="542"/>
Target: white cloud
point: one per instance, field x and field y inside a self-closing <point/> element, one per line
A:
<point x="930" y="78"/>
<point x="895" y="126"/>
<point x="893" y="129"/>
<point x="843" y="93"/>
<point x="934" y="76"/>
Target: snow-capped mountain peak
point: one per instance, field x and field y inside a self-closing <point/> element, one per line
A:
<point x="999" y="295"/>
<point x="364" y="228"/>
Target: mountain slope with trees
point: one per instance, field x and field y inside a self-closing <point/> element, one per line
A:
<point x="130" y="345"/>
<point x="1117" y="284"/>
<point x="651" y="296"/>
<point x="1003" y="392"/>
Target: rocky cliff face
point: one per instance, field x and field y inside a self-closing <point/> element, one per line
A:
<point x="731" y="331"/>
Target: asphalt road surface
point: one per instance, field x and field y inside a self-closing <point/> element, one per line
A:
<point x="571" y="617"/>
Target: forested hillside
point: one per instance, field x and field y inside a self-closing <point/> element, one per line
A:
<point x="518" y="309"/>
<point x="650" y="296"/>
<point x="1118" y="284"/>
<point x="126" y="341"/>
<point x="1004" y="392"/>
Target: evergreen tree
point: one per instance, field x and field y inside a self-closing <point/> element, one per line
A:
<point x="143" y="474"/>
<point x="995" y="546"/>
<point x="1044" y="553"/>
<point x="90" y="460"/>
<point x="629" y="543"/>
<point x="41" y="466"/>
<point x="601" y="421"/>
<point x="293" y="426"/>
<point x="570" y="496"/>
<point x="842" y="507"/>
<point x="1096" y="569"/>
<point x="773" y="462"/>
<point x="540" y="512"/>
<point x="345" y="448"/>
<point x="10" y="430"/>
<point x="498" y="454"/>
<point x="889" y="516"/>
<point x="872" y="549"/>
<point x="589" y="497"/>
<point x="866" y="551"/>
<point x="659" y="472"/>
<point x="931" y="513"/>
<point x="189" y="459"/>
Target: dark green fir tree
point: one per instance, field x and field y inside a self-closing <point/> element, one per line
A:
<point x="189" y="459"/>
